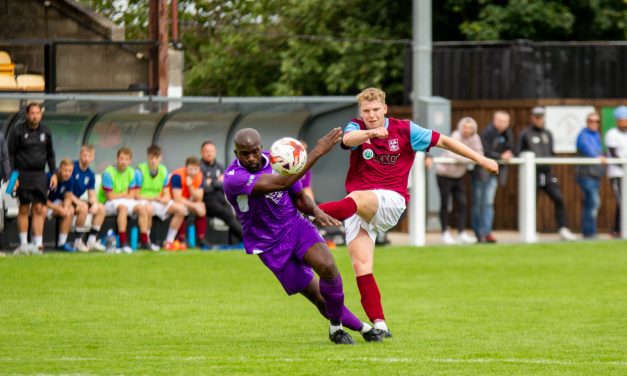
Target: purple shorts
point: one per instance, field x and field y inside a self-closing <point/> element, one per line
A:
<point x="286" y="261"/>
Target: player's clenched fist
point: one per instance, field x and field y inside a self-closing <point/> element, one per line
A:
<point x="380" y="132"/>
<point x="491" y="166"/>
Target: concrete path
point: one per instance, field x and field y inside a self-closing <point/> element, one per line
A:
<point x="434" y="238"/>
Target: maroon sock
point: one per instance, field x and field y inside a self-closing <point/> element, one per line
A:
<point x="123" y="239"/>
<point x="143" y="238"/>
<point x="201" y="227"/>
<point x="370" y="297"/>
<point x="182" y="231"/>
<point x="340" y="210"/>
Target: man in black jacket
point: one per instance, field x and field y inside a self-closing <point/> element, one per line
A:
<point x="539" y="140"/>
<point x="497" y="140"/>
<point x="215" y="202"/>
<point x="5" y="163"/>
<point x="30" y="149"/>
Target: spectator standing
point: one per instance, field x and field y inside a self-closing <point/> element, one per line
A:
<point x="616" y="143"/>
<point x="30" y="150"/>
<point x="215" y="202"/>
<point x="589" y="176"/>
<point x="539" y="140"/>
<point x="450" y="181"/>
<point x="498" y="142"/>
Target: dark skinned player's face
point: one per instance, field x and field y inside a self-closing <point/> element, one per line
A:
<point x="249" y="156"/>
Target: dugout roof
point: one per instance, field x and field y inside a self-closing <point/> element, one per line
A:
<point x="180" y="125"/>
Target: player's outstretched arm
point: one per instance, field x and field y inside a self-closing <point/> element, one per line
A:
<point x="272" y="183"/>
<point x="457" y="147"/>
<point x="356" y="138"/>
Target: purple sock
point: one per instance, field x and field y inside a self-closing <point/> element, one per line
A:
<point x="351" y="321"/>
<point x="332" y="291"/>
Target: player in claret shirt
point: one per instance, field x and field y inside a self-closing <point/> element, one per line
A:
<point x="382" y="151"/>
<point x="267" y="205"/>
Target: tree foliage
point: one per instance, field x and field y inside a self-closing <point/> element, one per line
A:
<point x="329" y="47"/>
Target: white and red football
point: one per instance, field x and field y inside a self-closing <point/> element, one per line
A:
<point x="288" y="156"/>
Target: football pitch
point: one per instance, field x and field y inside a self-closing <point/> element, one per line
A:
<point x="558" y="308"/>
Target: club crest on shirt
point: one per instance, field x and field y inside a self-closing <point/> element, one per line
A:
<point x="393" y="144"/>
<point x="42" y="137"/>
<point x="275" y="196"/>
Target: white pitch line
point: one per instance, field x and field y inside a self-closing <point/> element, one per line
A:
<point x="245" y="359"/>
<point x="531" y="361"/>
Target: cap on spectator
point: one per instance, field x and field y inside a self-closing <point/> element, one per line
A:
<point x="620" y="113"/>
<point x="538" y="111"/>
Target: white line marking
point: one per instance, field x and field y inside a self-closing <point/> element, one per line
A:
<point x="531" y="361"/>
<point x="197" y="358"/>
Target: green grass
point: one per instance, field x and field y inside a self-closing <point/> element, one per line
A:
<point x="490" y="310"/>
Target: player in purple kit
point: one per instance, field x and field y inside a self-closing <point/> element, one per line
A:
<point x="267" y="205"/>
<point x="382" y="151"/>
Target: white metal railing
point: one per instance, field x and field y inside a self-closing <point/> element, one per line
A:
<point x="526" y="192"/>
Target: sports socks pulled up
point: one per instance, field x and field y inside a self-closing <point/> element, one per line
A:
<point x="340" y="210"/>
<point x="370" y="297"/>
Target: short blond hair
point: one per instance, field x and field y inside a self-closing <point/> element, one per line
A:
<point x="65" y="162"/>
<point x="371" y="94"/>
<point x="88" y="147"/>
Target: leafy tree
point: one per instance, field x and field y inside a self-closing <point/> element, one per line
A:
<point x="329" y="47"/>
<point x="355" y="49"/>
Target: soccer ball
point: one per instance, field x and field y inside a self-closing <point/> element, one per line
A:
<point x="288" y="156"/>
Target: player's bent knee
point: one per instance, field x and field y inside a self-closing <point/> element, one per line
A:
<point x="327" y="269"/>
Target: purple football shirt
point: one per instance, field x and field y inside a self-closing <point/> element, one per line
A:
<point x="265" y="219"/>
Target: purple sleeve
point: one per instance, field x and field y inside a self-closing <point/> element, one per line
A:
<point x="295" y="188"/>
<point x="306" y="180"/>
<point x="240" y="184"/>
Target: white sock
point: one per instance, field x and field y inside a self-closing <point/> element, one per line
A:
<point x="365" y="328"/>
<point x="62" y="239"/>
<point x="96" y="228"/>
<point x="380" y="324"/>
<point x="23" y="238"/>
<point x="91" y="239"/>
<point x="171" y="235"/>
<point x="38" y="241"/>
<point x="334" y="328"/>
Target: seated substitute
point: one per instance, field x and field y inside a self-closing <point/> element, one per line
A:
<point x="118" y="195"/>
<point x="84" y="180"/>
<point x="186" y="189"/>
<point x="151" y="178"/>
<point x="60" y="203"/>
<point x="215" y="203"/>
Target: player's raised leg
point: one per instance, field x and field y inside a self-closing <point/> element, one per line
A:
<point x="358" y="206"/>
